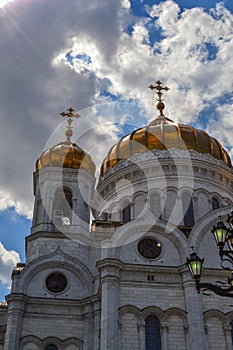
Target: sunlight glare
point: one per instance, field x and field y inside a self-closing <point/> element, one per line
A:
<point x="4" y="2"/>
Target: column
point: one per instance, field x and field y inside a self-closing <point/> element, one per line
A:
<point x="142" y="336"/>
<point x="16" y="306"/>
<point x="88" y="329"/>
<point x="164" y="326"/>
<point x="110" y="274"/>
<point x="186" y="331"/>
<point x="227" y="330"/>
<point x="96" y="330"/>
<point x="120" y="334"/>
<point x="197" y="339"/>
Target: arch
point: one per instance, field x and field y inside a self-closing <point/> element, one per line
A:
<point x="203" y="203"/>
<point x="215" y="203"/>
<point x="176" y="321"/>
<point x="170" y="210"/>
<point x="205" y="225"/>
<point x="129" y="320"/>
<point x="153" y="333"/>
<point x="126" y="212"/>
<point x="51" y="346"/>
<point x="215" y="323"/>
<point x="28" y="340"/>
<point x="129" y="233"/>
<point x="62" y="206"/>
<point x="177" y="312"/>
<point x="153" y="311"/>
<point x="48" y="342"/>
<point x="114" y="212"/>
<point x="56" y="259"/>
<point x="227" y="202"/>
<point x="129" y="309"/>
<point x="215" y="313"/>
<point x="155" y="204"/>
<point x="139" y="204"/>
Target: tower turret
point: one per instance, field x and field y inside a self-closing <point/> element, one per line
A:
<point x="63" y="185"/>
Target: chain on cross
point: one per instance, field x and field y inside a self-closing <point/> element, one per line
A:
<point x="159" y="88"/>
<point x="69" y="115"/>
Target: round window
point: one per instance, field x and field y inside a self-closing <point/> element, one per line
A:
<point x="149" y="248"/>
<point x="56" y="282"/>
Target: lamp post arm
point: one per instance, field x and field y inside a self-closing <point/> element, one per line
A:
<point x="228" y="292"/>
<point x="227" y="253"/>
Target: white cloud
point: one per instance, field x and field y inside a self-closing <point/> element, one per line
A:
<point x="39" y="82"/>
<point x="4" y="2"/>
<point x="8" y="260"/>
<point x="7" y="200"/>
<point x="126" y="4"/>
<point x="222" y="127"/>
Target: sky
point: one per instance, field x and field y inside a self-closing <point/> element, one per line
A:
<point x="99" y="58"/>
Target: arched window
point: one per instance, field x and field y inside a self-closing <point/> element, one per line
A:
<point x="51" y="347"/>
<point x="139" y="205"/>
<point x="215" y="203"/>
<point x="62" y="206"/>
<point x="126" y="215"/>
<point x="155" y="205"/>
<point x="153" y="336"/>
<point x="188" y="209"/>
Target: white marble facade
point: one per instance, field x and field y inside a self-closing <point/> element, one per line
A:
<point x="107" y="290"/>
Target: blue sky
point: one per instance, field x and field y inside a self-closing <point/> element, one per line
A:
<point x="99" y="58"/>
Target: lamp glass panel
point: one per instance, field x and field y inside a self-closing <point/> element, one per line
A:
<point x="220" y="233"/>
<point x="195" y="267"/>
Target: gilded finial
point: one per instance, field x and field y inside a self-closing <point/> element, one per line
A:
<point x="69" y="115"/>
<point x="160" y="105"/>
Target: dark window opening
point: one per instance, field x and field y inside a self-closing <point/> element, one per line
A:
<point x="188" y="210"/>
<point x="127" y="213"/>
<point x="51" y="347"/>
<point x="62" y="207"/>
<point x="153" y="336"/>
<point x="215" y="203"/>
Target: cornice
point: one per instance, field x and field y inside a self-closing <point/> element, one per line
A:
<point x="172" y="153"/>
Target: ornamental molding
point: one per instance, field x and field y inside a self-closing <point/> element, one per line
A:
<point x="173" y="153"/>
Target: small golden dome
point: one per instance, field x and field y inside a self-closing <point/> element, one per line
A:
<point x="66" y="155"/>
<point x="163" y="134"/>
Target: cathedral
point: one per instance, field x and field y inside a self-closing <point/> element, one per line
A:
<point x="106" y="257"/>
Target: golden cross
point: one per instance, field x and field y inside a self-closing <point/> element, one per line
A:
<point x="69" y="115"/>
<point x="159" y="88"/>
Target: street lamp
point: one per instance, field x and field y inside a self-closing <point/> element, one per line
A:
<point x="223" y="234"/>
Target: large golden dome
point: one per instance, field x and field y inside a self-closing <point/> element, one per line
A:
<point x="66" y="155"/>
<point x="164" y="134"/>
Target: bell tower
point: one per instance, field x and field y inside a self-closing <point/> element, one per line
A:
<point x="63" y="186"/>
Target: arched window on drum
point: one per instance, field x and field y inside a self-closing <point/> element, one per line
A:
<point x="215" y="203"/>
<point x="126" y="213"/>
<point x="62" y="206"/>
<point x="188" y="212"/>
<point x="139" y="205"/>
<point x="155" y="205"/>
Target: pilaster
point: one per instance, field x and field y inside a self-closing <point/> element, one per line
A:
<point x="110" y="275"/>
<point x="196" y="339"/>
<point x="16" y="309"/>
<point x="142" y="336"/>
